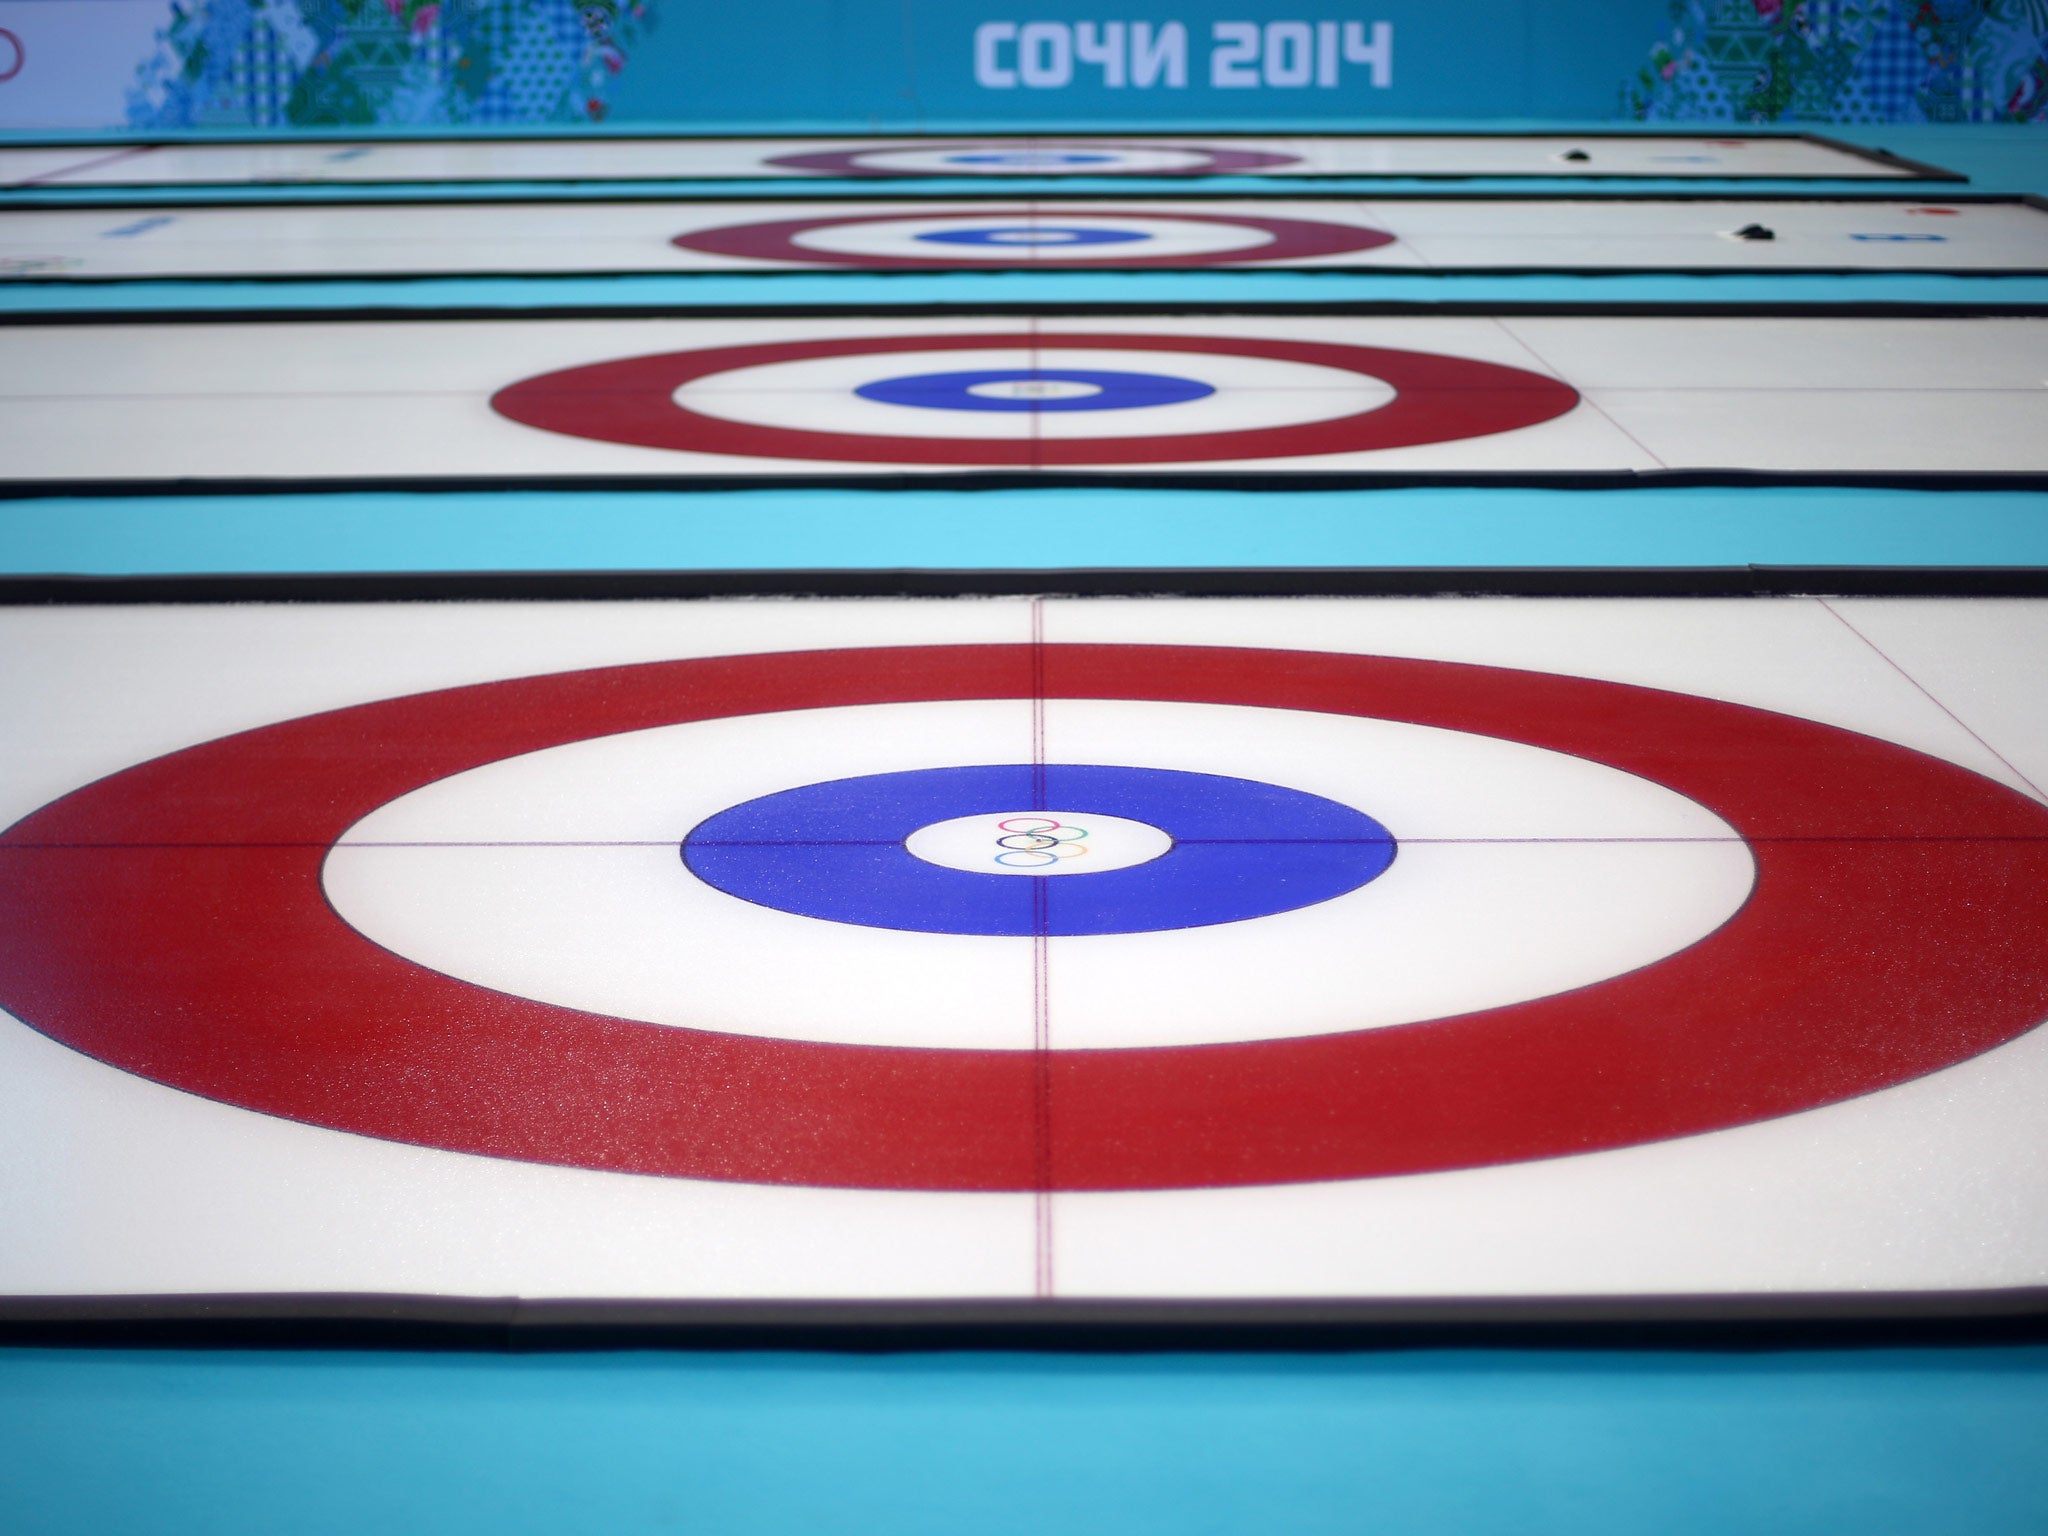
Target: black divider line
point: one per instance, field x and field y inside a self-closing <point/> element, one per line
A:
<point x="823" y="184"/>
<point x="906" y="277"/>
<point x="855" y="140"/>
<point x="1818" y="309"/>
<point x="935" y="584"/>
<point x="1882" y="193"/>
<point x="1264" y="481"/>
<point x="1781" y="1320"/>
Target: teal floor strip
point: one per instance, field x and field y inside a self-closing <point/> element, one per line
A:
<point x="873" y="291"/>
<point x="1880" y="1443"/>
<point x="1049" y="529"/>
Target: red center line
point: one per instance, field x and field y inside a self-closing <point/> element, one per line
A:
<point x="1585" y="400"/>
<point x="1758" y="839"/>
<point x="1927" y="694"/>
<point x="1041" y="1003"/>
<point x="1036" y="419"/>
<point x="86" y="165"/>
<point x="1038" y="705"/>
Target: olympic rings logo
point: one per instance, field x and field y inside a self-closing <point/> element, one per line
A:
<point x="1034" y="842"/>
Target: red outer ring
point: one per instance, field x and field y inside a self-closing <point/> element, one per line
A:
<point x="846" y="162"/>
<point x="169" y="920"/>
<point x="1293" y="240"/>
<point x="1437" y="399"/>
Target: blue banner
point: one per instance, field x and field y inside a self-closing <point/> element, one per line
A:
<point x="852" y="66"/>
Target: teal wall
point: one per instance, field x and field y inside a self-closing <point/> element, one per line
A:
<point x="895" y="65"/>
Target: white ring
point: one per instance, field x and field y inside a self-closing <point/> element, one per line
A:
<point x="603" y="916"/>
<point x="1158" y="236"/>
<point x="817" y="394"/>
<point x="1030" y="160"/>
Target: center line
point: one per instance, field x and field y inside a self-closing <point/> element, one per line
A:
<point x="1041" y="1005"/>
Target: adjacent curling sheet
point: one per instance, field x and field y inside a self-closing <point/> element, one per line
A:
<point x="497" y="401"/>
<point x="1228" y="950"/>
<point x="682" y="159"/>
<point x="1448" y="234"/>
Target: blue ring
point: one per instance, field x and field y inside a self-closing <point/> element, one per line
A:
<point x="1241" y="849"/>
<point x="1077" y="234"/>
<point x="1114" y="391"/>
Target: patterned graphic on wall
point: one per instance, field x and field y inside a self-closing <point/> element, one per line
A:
<point x="312" y="63"/>
<point x="1847" y="61"/>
